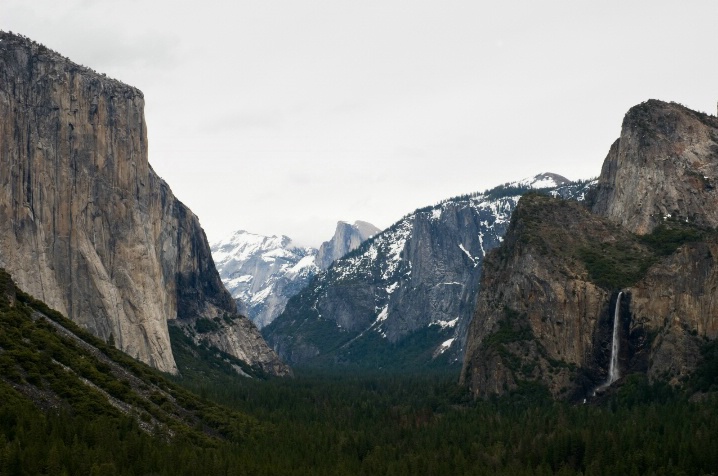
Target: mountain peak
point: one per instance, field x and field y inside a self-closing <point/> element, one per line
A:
<point x="543" y="180"/>
<point x="263" y="272"/>
<point x="366" y="229"/>
<point x="663" y="165"/>
<point x="346" y="238"/>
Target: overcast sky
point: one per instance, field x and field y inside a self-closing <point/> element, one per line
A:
<point x="282" y="117"/>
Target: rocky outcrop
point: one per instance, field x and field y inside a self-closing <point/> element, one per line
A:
<point x="665" y="164"/>
<point x="347" y="237"/>
<point x="7" y="289"/>
<point x="663" y="170"/>
<point x="405" y="297"/>
<point x="677" y="302"/>
<point x="545" y="312"/>
<point x="85" y="223"/>
<point x="538" y="311"/>
<point x="546" y="309"/>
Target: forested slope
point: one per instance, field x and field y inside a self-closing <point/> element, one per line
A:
<point x="68" y="409"/>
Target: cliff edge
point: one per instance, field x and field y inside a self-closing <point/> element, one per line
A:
<point x="87" y="226"/>
<point x="546" y="311"/>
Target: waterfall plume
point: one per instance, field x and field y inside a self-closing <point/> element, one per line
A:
<point x="613" y="371"/>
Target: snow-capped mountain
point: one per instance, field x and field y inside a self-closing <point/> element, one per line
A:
<point x="406" y="296"/>
<point x="263" y="272"/>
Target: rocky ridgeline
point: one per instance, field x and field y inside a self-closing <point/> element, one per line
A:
<point x="404" y="297"/>
<point x="545" y="312"/>
<point x="89" y="228"/>
<point x="263" y="272"/>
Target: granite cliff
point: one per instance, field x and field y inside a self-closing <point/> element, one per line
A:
<point x="665" y="164"/>
<point x="546" y="309"/>
<point x="89" y="228"/>
<point x="404" y="298"/>
<point x="347" y="237"/>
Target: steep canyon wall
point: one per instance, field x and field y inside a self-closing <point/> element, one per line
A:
<point x="86" y="225"/>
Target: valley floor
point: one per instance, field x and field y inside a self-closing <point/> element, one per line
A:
<point x="425" y="425"/>
<point x="65" y="409"/>
<point x="333" y="425"/>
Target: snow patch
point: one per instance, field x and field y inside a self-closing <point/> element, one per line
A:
<point x="545" y="182"/>
<point x="445" y="345"/>
<point x="383" y="315"/>
<point x="394" y="252"/>
<point x="261" y="295"/>
<point x="305" y="264"/>
<point x="473" y="260"/>
<point x="445" y="324"/>
<point x="481" y="243"/>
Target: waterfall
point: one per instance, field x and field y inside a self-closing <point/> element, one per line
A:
<point x="613" y="368"/>
<point x="613" y="371"/>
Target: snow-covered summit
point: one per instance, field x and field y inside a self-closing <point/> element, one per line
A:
<point x="241" y="245"/>
<point x="263" y="272"/>
<point x="542" y="180"/>
<point x="260" y="270"/>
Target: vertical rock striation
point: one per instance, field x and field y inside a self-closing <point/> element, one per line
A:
<point x="85" y="223"/>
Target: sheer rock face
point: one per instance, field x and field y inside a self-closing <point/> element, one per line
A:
<point x="405" y="297"/>
<point x="678" y="301"/>
<point x="537" y="303"/>
<point x="542" y="318"/>
<point x="346" y="238"/>
<point x="681" y="290"/>
<point x="665" y="163"/>
<point x="85" y="223"/>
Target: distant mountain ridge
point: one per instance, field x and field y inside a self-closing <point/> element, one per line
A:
<point x="405" y="296"/>
<point x="263" y="272"/>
